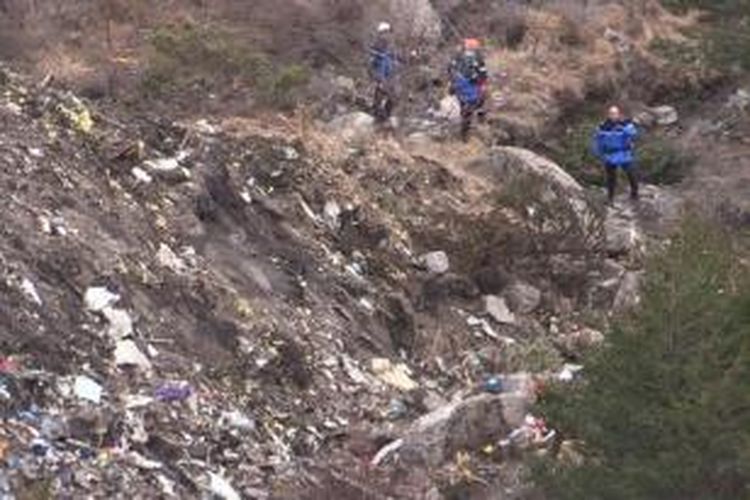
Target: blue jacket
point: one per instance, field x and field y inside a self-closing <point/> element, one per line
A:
<point x="614" y="142"/>
<point x="382" y="60"/>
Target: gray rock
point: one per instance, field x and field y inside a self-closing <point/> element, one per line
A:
<point x="353" y="127"/>
<point x="628" y="295"/>
<point x="332" y="215"/>
<point x="436" y="262"/>
<point x="622" y="232"/>
<point x="645" y="119"/>
<point x="506" y="163"/>
<point x="739" y="100"/>
<point x="462" y="425"/>
<point x="665" y="115"/>
<point x="523" y="298"/>
<point x="345" y="84"/>
<point x="450" y="109"/>
<point x="498" y="310"/>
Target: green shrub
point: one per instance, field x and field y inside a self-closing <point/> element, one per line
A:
<point x="663" y="163"/>
<point x="664" y="411"/>
<point x="185" y="55"/>
<point x="725" y="34"/>
<point x="280" y="88"/>
<point x="573" y="153"/>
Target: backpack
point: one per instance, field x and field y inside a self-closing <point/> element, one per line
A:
<point x="467" y="91"/>
<point x="468" y="65"/>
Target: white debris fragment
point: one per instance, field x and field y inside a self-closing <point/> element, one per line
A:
<point x="398" y="376"/>
<point x="29" y="290"/>
<point x="99" y="297"/>
<point x="238" y="420"/>
<point x="221" y="487"/>
<point x="569" y="372"/>
<point x="386" y="451"/>
<point x="141" y="175"/>
<point x="166" y="257"/>
<point x="87" y="389"/>
<point x="120" y="323"/>
<point x="128" y="354"/>
<point x="166" y="485"/>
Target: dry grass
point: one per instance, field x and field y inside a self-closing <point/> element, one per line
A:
<point x="554" y="61"/>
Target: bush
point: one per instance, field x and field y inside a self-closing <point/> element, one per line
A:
<point x="279" y="88"/>
<point x="186" y="55"/>
<point x="664" y="411"/>
<point x="726" y="34"/>
<point x="661" y="162"/>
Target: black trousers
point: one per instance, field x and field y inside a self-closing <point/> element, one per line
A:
<point x="632" y="174"/>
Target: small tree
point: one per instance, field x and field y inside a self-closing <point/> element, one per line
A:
<point x="664" y="411"/>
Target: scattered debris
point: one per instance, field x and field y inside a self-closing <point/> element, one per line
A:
<point x="237" y="420"/>
<point x="221" y="487"/>
<point x="29" y="290"/>
<point x="128" y="354"/>
<point x="98" y="298"/>
<point x="569" y="373"/>
<point x="331" y="215"/>
<point x="170" y="392"/>
<point x="398" y="376"/>
<point x="120" y="323"/>
<point x="87" y="389"/>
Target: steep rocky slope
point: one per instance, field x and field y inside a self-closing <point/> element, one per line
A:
<point x="308" y="307"/>
<point x="269" y="304"/>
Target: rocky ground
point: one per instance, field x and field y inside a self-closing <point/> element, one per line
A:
<point x="309" y="307"/>
<point x="276" y="311"/>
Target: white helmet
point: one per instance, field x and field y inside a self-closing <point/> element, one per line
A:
<point x="384" y="27"/>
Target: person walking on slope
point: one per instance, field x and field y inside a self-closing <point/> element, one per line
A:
<point x="382" y="70"/>
<point x="614" y="145"/>
<point x="468" y="79"/>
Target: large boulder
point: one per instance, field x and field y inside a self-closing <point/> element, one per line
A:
<point x="505" y="164"/>
<point x="523" y="298"/>
<point x="622" y="232"/>
<point x="462" y="425"/>
<point x="629" y="294"/>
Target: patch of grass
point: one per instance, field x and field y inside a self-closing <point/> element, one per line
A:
<point x="724" y="33"/>
<point x="188" y="55"/>
<point x="662" y="163"/>
<point x="685" y="54"/>
<point x="279" y="88"/>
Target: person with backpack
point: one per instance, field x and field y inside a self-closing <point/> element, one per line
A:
<point x="469" y="79"/>
<point x="382" y="70"/>
<point x="614" y="145"/>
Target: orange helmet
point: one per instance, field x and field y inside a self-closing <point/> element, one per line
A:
<point x="472" y="44"/>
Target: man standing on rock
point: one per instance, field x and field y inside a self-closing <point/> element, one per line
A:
<point x="614" y="144"/>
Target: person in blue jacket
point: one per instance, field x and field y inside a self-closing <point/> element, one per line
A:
<point x="382" y="70"/>
<point x="614" y="145"/>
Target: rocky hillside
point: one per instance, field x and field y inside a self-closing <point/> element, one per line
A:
<point x="268" y="306"/>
